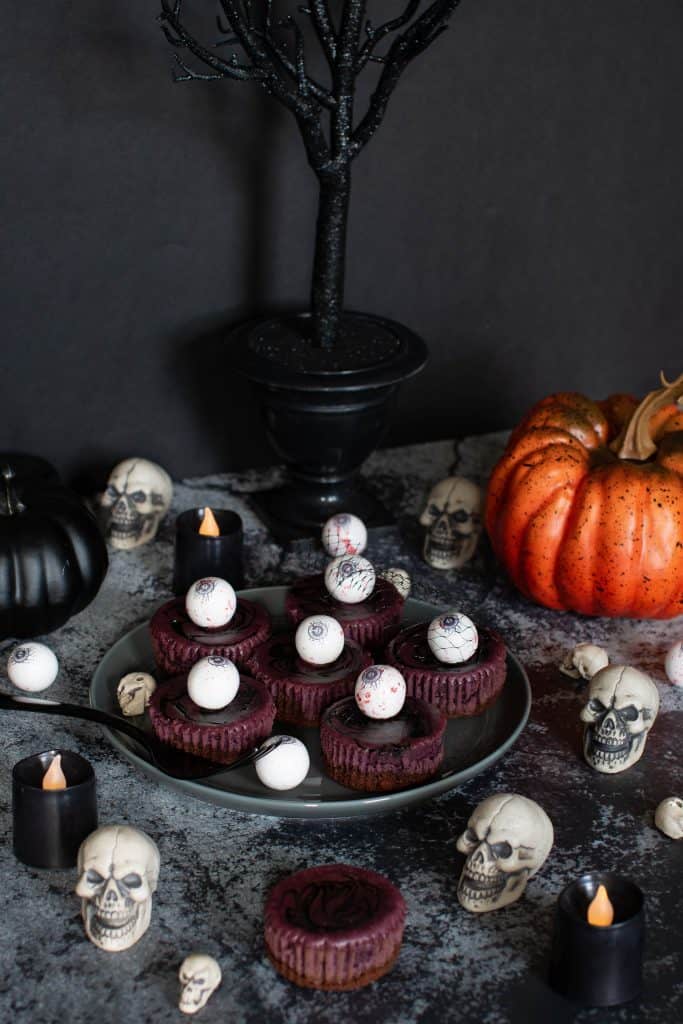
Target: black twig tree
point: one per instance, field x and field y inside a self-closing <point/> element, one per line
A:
<point x="269" y="49"/>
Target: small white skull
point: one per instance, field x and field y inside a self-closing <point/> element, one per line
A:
<point x="507" y="840"/>
<point x="584" y="661"/>
<point x="453" y="517"/>
<point x="622" y="706"/>
<point x="200" y="976"/>
<point x="669" y="817"/>
<point x="134" y="692"/>
<point x="137" y="498"/>
<point x="118" y="868"/>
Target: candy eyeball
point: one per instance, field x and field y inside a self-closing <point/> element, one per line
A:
<point x="284" y="767"/>
<point x="380" y="691"/>
<point x="32" y="667"/>
<point x="344" y="534"/>
<point x="319" y="639"/>
<point x="452" y="638"/>
<point x="400" y="579"/>
<point x="211" y="602"/>
<point x="350" y="578"/>
<point x="213" y="682"/>
<point x="673" y="664"/>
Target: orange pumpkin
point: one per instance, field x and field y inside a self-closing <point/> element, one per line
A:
<point x="585" y="508"/>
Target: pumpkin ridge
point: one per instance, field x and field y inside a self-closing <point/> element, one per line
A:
<point x="538" y="556"/>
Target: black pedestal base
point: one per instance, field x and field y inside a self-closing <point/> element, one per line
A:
<point x="295" y="509"/>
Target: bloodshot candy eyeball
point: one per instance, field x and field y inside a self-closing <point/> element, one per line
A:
<point x="673" y="664"/>
<point x="344" y="534"/>
<point x="213" y="682"/>
<point x="285" y="766"/>
<point x="319" y="639"/>
<point x="452" y="638"/>
<point x="211" y="602"/>
<point x="32" y="667"/>
<point x="350" y="578"/>
<point x="380" y="691"/>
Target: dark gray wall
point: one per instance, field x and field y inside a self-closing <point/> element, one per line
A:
<point x="521" y="208"/>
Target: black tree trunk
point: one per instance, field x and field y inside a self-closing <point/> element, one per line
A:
<point x="327" y="294"/>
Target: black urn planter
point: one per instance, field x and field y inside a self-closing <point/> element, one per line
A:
<point x="325" y="411"/>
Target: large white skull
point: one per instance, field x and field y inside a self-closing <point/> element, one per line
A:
<point x="137" y="498"/>
<point x="118" y="868"/>
<point x="200" y="976"/>
<point x="669" y="817"/>
<point x="134" y="692"/>
<point x="507" y="840"/>
<point x="453" y="517"/>
<point x="622" y="706"/>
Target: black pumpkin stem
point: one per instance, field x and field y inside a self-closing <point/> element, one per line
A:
<point x="11" y="504"/>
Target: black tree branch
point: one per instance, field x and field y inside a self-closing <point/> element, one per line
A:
<point x="405" y="48"/>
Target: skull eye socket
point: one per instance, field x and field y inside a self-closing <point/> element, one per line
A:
<point x="132" y="881"/>
<point x="138" y="496"/>
<point x="596" y="705"/>
<point x="93" y="877"/>
<point x="460" y="516"/>
<point x="111" y="491"/>
<point x="501" y="850"/>
<point x="630" y="713"/>
<point x="471" y="836"/>
<point x="434" y="510"/>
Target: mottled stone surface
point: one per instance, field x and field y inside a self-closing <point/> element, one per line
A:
<point x="217" y="865"/>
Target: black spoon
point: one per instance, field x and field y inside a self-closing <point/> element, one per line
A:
<point x="175" y="763"/>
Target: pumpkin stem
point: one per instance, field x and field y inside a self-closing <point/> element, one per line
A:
<point x="635" y="441"/>
<point x="11" y="503"/>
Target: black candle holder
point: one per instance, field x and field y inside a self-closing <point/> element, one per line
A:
<point x="197" y="555"/>
<point x="50" y="825"/>
<point x="598" y="966"/>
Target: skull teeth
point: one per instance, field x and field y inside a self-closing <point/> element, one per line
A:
<point x="477" y="886"/>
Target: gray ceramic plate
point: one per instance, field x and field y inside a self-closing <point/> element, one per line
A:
<point x="472" y="745"/>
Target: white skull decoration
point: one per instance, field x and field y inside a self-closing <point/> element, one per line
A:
<point x="200" y="976"/>
<point x="669" y="817"/>
<point x="584" y="661"/>
<point x="622" y="706"/>
<point x="134" y="692"/>
<point x="453" y="517"/>
<point x="137" y="498"/>
<point x="118" y="869"/>
<point x="507" y="840"/>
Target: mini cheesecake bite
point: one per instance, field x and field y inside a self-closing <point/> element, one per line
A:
<point x="210" y="620"/>
<point x="218" y="733"/>
<point x="379" y="740"/>
<point x="451" y="664"/>
<point x="334" y="927"/>
<point x="365" y="604"/>
<point x="308" y="671"/>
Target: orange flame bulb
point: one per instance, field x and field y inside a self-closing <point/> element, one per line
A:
<point x="209" y="526"/>
<point x="600" y="909"/>
<point x="54" y="777"/>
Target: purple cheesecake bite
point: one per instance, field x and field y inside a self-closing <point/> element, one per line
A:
<point x="334" y="927"/>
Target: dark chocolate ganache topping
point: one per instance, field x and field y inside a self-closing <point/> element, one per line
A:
<point x="335" y="904"/>
<point x="242" y="624"/>
<point x="410" y="648"/>
<point x="178" y="705"/>
<point x="312" y="597"/>
<point x="279" y="655"/>
<point x="415" y="719"/>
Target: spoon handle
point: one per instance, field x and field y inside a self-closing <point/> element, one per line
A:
<point x="53" y="707"/>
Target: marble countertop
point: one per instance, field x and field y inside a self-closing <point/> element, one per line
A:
<point x="218" y="865"/>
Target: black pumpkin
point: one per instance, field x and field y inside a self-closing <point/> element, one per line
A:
<point x="52" y="555"/>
